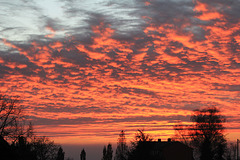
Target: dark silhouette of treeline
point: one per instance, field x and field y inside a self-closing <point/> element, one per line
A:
<point x="144" y="148"/>
<point x="18" y="142"/>
<point x="38" y="149"/>
<point x="203" y="140"/>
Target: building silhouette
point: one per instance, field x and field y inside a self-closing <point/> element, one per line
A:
<point x="169" y="150"/>
<point x="161" y="150"/>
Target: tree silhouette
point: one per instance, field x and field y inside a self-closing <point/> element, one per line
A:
<point x="231" y="153"/>
<point x="139" y="149"/>
<point x="25" y="145"/>
<point x="83" y="155"/>
<point x="104" y="153"/>
<point x="11" y="117"/>
<point x="107" y="153"/>
<point x="122" y="148"/>
<point x="206" y="134"/>
<point x="44" y="148"/>
<point x="23" y="150"/>
<point x="60" y="154"/>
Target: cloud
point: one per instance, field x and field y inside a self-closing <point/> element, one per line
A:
<point x="122" y="64"/>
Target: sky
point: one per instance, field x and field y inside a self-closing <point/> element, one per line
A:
<point x="85" y="70"/>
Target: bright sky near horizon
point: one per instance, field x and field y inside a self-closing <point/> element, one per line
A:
<point x="87" y="69"/>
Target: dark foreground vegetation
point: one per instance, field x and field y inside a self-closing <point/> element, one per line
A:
<point x="203" y="140"/>
<point x="18" y="142"/>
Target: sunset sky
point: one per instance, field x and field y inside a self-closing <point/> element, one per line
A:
<point x="85" y="70"/>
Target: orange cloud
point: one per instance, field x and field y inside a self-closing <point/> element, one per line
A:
<point x="147" y="3"/>
<point x="209" y="16"/>
<point x="206" y="12"/>
<point x="48" y="28"/>
<point x="201" y="7"/>
<point x="57" y="46"/>
<point x="149" y="80"/>
<point x="1" y="60"/>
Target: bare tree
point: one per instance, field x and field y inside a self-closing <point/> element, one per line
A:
<point x="206" y="134"/>
<point x="25" y="145"/>
<point x="44" y="148"/>
<point x="139" y="150"/>
<point x="182" y="134"/>
<point x="141" y="136"/>
<point x="11" y="117"/>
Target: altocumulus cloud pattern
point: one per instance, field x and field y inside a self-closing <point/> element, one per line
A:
<point x="80" y="66"/>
